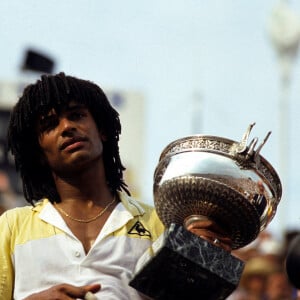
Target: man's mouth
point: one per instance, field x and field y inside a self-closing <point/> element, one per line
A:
<point x="74" y="142"/>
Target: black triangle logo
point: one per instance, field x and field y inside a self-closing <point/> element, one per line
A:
<point x="139" y="229"/>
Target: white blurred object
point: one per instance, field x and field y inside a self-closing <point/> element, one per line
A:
<point x="270" y="247"/>
<point x="90" y="296"/>
<point x="284" y="29"/>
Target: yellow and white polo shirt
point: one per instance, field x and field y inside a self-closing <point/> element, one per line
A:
<point x="38" y="250"/>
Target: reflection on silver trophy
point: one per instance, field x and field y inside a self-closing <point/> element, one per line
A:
<point x="207" y="177"/>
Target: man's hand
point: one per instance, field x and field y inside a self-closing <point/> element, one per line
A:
<point x="65" y="292"/>
<point x="210" y="231"/>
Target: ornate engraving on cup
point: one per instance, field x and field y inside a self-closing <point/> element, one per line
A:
<point x="227" y="181"/>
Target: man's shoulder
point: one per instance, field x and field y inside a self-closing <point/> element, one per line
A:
<point x="18" y="211"/>
<point x="13" y="219"/>
<point x="21" y="212"/>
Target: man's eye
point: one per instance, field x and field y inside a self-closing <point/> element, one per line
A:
<point x="47" y="125"/>
<point x="77" y="115"/>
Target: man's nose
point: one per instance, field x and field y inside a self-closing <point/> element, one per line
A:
<point x="66" y="125"/>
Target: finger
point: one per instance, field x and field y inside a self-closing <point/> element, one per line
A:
<point x="207" y="224"/>
<point x="81" y="291"/>
<point x="219" y="241"/>
<point x="214" y="238"/>
<point x="94" y="288"/>
<point x="223" y="243"/>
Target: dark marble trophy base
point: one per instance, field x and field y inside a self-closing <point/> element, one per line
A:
<point x="187" y="267"/>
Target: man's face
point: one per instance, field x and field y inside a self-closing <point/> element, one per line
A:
<point x="69" y="140"/>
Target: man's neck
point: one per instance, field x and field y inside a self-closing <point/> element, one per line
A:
<point x="87" y="185"/>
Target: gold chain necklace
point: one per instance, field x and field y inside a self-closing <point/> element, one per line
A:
<point x="86" y="220"/>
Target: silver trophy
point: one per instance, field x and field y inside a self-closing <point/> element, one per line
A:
<point x="206" y="177"/>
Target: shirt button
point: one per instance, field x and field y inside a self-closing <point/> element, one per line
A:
<point x="77" y="254"/>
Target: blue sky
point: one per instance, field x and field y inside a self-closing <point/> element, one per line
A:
<point x="173" y="52"/>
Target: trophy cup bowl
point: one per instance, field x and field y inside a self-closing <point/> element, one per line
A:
<point x="209" y="177"/>
<point x="217" y="178"/>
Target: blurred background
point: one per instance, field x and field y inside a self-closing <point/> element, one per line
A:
<point x="172" y="69"/>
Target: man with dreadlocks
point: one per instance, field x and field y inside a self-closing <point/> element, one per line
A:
<point x="82" y="233"/>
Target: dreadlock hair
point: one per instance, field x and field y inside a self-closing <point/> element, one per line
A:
<point x="55" y="92"/>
